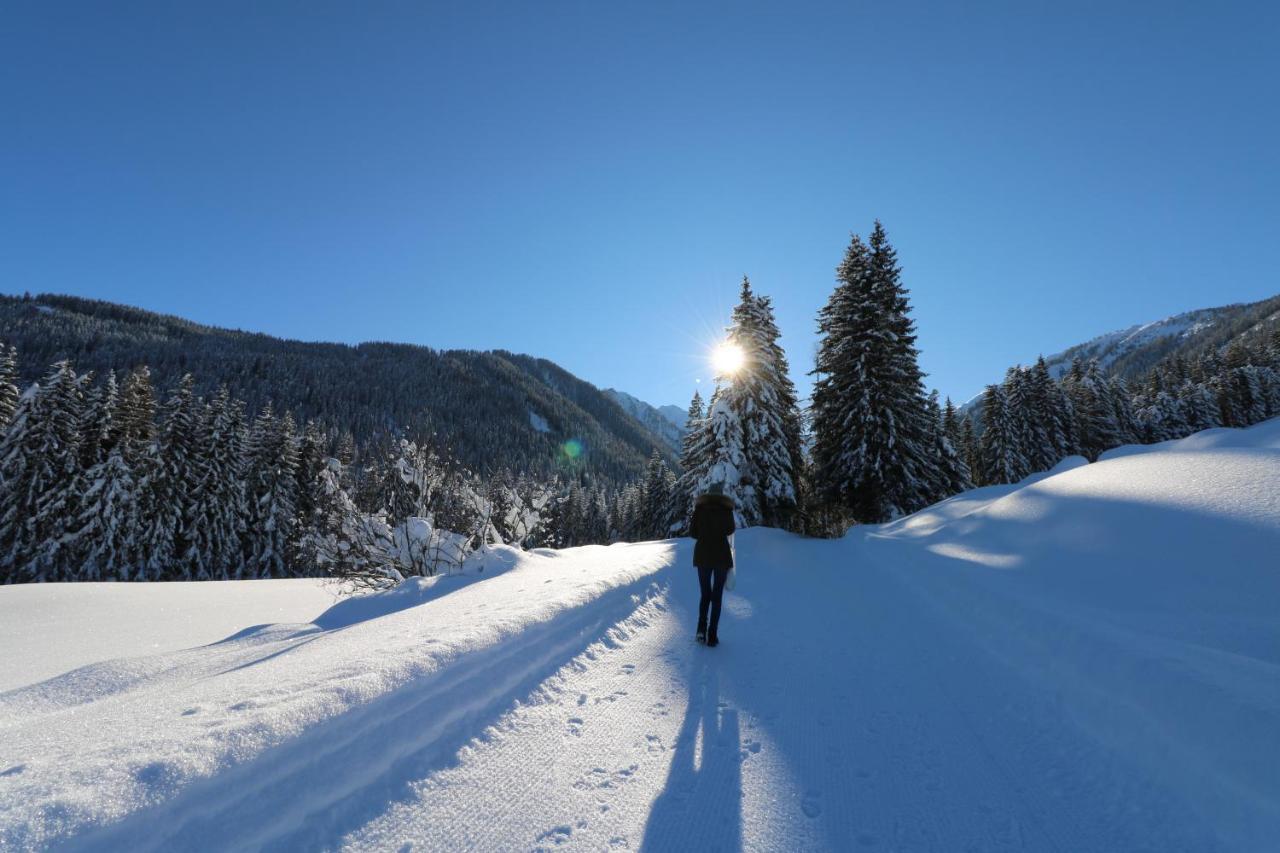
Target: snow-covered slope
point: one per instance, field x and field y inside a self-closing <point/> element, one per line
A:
<point x="675" y="414"/>
<point x="1129" y="352"/>
<point x="1108" y="348"/>
<point x="658" y="421"/>
<point x="49" y="629"/>
<point x="1087" y="661"/>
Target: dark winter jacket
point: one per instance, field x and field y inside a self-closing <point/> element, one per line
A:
<point x="711" y="526"/>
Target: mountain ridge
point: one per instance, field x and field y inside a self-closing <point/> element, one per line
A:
<point x="487" y="407"/>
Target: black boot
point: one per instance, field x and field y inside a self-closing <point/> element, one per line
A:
<point x="701" y="634"/>
<point x="712" y="639"/>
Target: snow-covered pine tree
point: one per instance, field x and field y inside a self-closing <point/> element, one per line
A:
<point x="108" y="524"/>
<point x="219" y="512"/>
<point x="9" y="392"/>
<point x="968" y="446"/>
<point x="764" y="397"/>
<point x="869" y="415"/>
<point x="748" y="441"/>
<point x="1028" y="434"/>
<point x="682" y="499"/>
<point x="1095" y="413"/>
<point x="272" y="453"/>
<point x="340" y="540"/>
<point x="39" y="476"/>
<point x="720" y="459"/>
<point x="1198" y="407"/>
<point x="312" y="457"/>
<point x="172" y="476"/>
<point x="952" y="465"/>
<point x="999" y="445"/>
<point x="655" y="500"/>
<point x="136" y="415"/>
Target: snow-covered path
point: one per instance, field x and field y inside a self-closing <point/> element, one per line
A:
<point x="853" y="718"/>
<point x="1090" y="662"/>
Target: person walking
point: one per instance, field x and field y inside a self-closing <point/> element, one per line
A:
<point x="711" y="527"/>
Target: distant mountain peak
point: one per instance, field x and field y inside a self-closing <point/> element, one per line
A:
<point x="662" y="422"/>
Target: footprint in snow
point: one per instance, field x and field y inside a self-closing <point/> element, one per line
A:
<point x="557" y="835"/>
<point x="14" y="770"/>
<point x="628" y="668"/>
<point x="811" y="805"/>
<point x="575" y="726"/>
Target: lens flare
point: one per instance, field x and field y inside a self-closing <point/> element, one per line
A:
<point x="572" y="448"/>
<point x="727" y="358"/>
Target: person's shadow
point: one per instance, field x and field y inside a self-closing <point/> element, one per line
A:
<point x="701" y="806"/>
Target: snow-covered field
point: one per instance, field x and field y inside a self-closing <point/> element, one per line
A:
<point x="1086" y="661"/>
<point x="49" y="629"/>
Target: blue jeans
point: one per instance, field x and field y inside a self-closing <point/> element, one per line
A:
<point x="712" y="582"/>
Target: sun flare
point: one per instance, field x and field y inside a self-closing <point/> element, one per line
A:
<point x="727" y="358"/>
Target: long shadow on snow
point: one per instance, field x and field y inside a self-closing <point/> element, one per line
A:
<point x="701" y="806"/>
<point x="336" y="776"/>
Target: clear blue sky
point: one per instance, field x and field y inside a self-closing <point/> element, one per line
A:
<point x="588" y="182"/>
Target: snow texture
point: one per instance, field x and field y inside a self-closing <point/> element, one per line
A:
<point x="1088" y="660"/>
<point x="49" y="629"/>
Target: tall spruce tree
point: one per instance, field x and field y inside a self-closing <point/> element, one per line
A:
<point x="39" y="477"/>
<point x="870" y="418"/>
<point x="108" y="523"/>
<point x="999" y="445"/>
<point x="272" y="453"/>
<point x="953" y="467"/>
<point x="766" y="400"/>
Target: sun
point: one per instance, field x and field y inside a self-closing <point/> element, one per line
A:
<point x="727" y="358"/>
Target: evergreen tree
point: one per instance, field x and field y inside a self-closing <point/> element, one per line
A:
<point x="172" y="480"/>
<point x="968" y="446"/>
<point x="341" y="541"/>
<point x="953" y="467"/>
<point x="312" y="458"/>
<point x="655" y="500"/>
<point x="108" y="523"/>
<point x="999" y="445"/>
<point x="8" y="384"/>
<point x="719" y="460"/>
<point x="689" y="449"/>
<point x="870" y="419"/>
<point x="272" y="452"/>
<point x="219" y="509"/>
<point x="40" y="478"/>
<point x="749" y="440"/>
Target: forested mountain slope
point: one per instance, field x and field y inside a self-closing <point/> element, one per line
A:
<point x="490" y="408"/>
<point x="1130" y="353"/>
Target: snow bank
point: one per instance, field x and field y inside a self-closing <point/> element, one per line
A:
<point x="1144" y="591"/>
<point x="89" y="748"/>
<point x="49" y="629"/>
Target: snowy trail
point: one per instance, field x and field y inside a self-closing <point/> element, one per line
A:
<point x="838" y="721"/>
